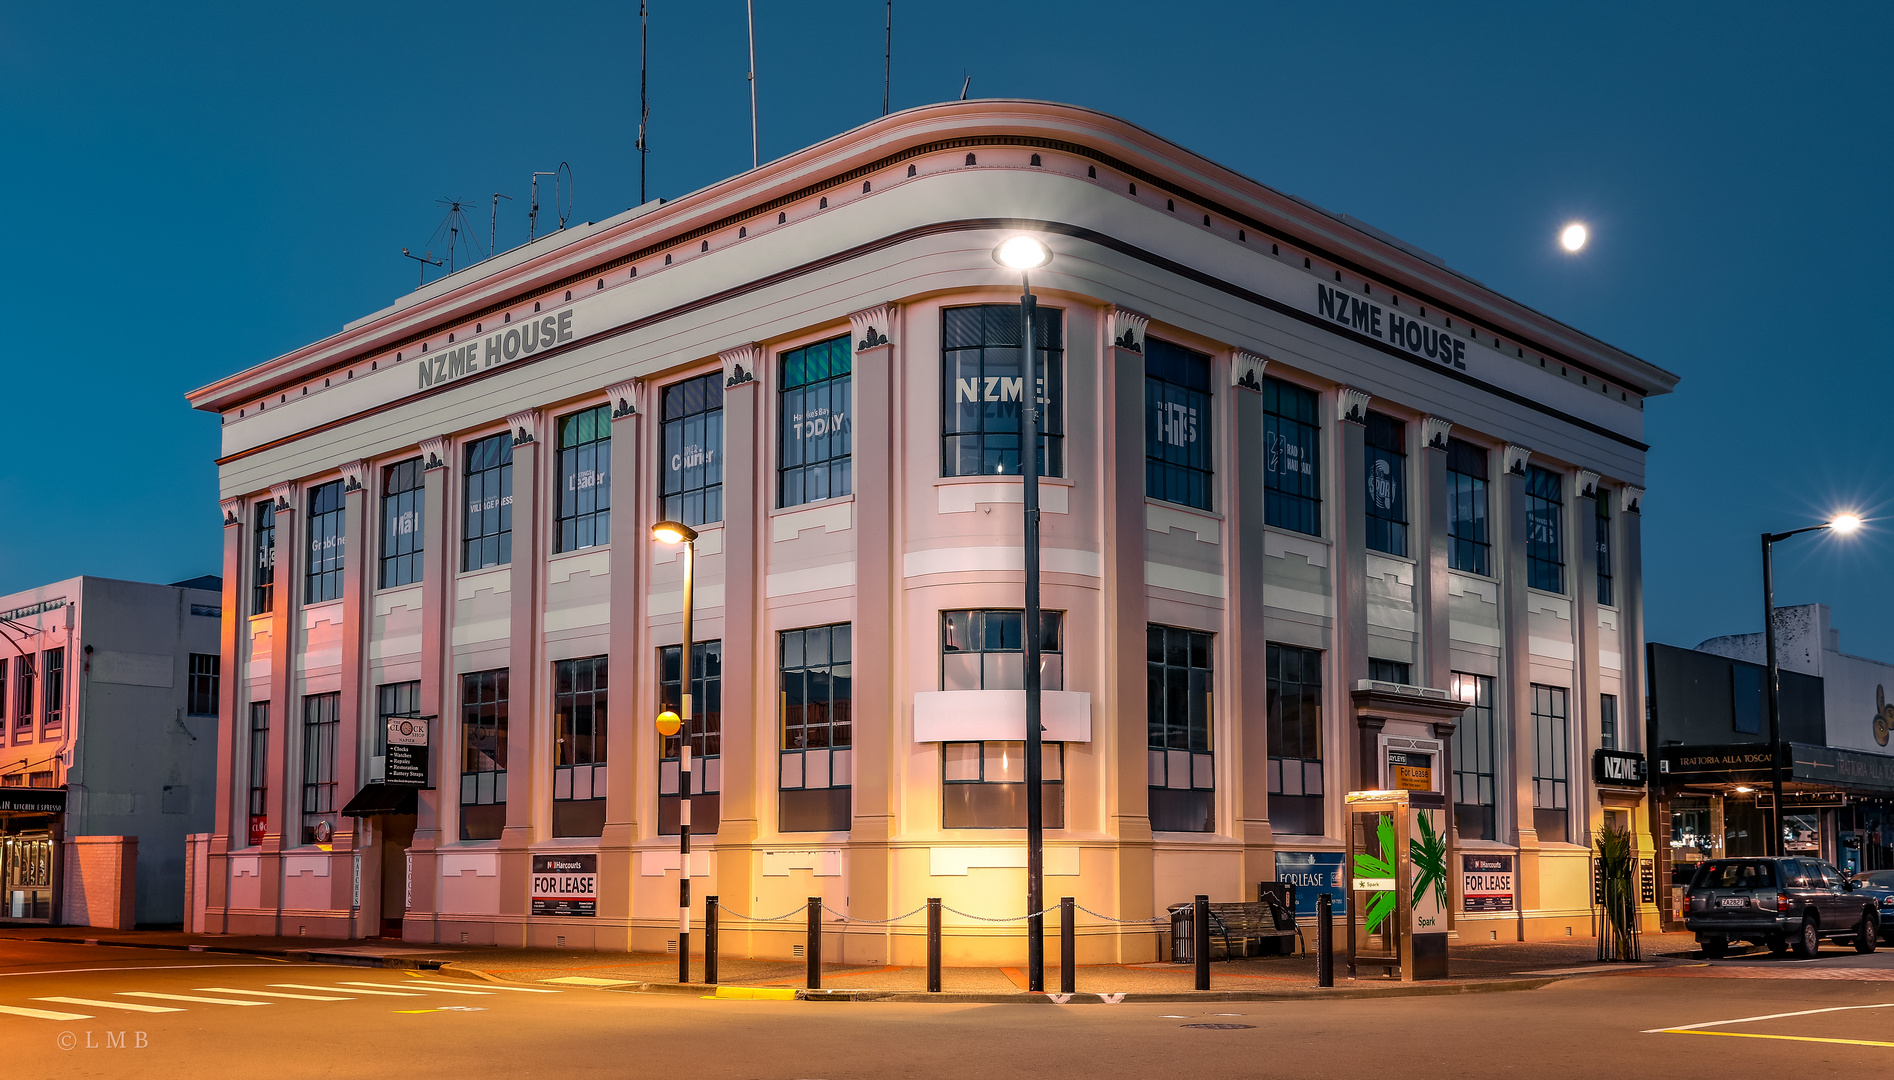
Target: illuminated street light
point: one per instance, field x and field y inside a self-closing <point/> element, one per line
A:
<point x="1574" y="237"/>
<point x="1022" y="253"/>
<point x="678" y="723"/>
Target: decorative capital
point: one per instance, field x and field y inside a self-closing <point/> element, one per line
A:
<point x="353" y="474"/>
<point x="871" y="327"/>
<point x="434" y="453"/>
<point x="1352" y="405"/>
<point x="233" y="512"/>
<point x="1435" y="432"/>
<point x="739" y="364"/>
<point x="1246" y="370"/>
<point x="284" y="496"/>
<point x="1587" y="484"/>
<point x="624" y="399"/>
<point x="525" y="426"/>
<point x="1127" y="329"/>
<point x="1516" y="459"/>
<point x="1629" y="500"/>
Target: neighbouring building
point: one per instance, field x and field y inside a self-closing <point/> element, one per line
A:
<point x="1320" y="514"/>
<point x="1709" y="723"/>
<point x="109" y="694"/>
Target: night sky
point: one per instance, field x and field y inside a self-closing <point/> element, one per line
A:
<point x="191" y="191"/>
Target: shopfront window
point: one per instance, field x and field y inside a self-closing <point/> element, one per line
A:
<point x="579" y="690"/>
<point x="1295" y="740"/>
<point x="321" y="722"/>
<point x="1474" y="759"/>
<point x="483" y="697"/>
<point x="1178" y="717"/>
<point x="817" y="699"/>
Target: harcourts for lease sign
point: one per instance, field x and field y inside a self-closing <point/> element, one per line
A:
<point x="565" y="885"/>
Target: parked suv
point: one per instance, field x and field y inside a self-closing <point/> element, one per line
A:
<point x="1784" y="903"/>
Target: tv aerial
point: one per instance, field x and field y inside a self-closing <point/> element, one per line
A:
<point x="458" y="230"/>
<point x="561" y="199"/>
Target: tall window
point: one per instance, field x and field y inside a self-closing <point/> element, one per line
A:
<point x="1295" y="740"/>
<point x="324" y="577"/>
<point x="3" y="691"/>
<point x="402" y="699"/>
<point x="1292" y="477"/>
<point x="23" y="692"/>
<point x="483" y="754"/>
<point x="403" y="501"/>
<point x="487" y="527"/>
<point x="813" y="413"/>
<point x="1469" y="543"/>
<point x="55" y="685"/>
<point x="321" y="722"/>
<point x="585" y="479"/>
<point x="1608" y="721"/>
<point x="706" y="735"/>
<point x="1385" y="460"/>
<point x="1178" y="714"/>
<point x="1551" y="762"/>
<point x="1176" y="424"/>
<point x="692" y="480"/>
<point x="259" y="816"/>
<point x="1602" y="534"/>
<point x="1474" y="755"/>
<point x="1545" y="537"/>
<point x="981" y="386"/>
<point x="578" y="751"/>
<point x="817" y="695"/>
<point x="263" y="559"/>
<point x="984" y="783"/>
<point x="200" y="697"/>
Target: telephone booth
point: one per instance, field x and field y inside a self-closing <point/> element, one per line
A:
<point x="1397" y="884"/>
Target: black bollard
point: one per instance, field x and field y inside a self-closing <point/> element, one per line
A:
<point x="1200" y="933"/>
<point x="1068" y="959"/>
<point x="710" y="940"/>
<point x="1325" y="940"/>
<point x="933" y="944"/>
<point x="814" y="949"/>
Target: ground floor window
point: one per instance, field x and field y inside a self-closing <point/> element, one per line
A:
<point x="1179" y="757"/>
<point x="983" y="785"/>
<point x="321" y="722"/>
<point x="259" y="811"/>
<point x="1551" y="763"/>
<point x="1295" y="740"/>
<point x="483" y="754"/>
<point x="817" y="737"/>
<point x="1473" y="759"/>
<point x="579" y="728"/>
<point x="706" y="734"/>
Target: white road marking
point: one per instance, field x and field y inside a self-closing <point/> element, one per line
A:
<point x="435" y="989"/>
<point x="125" y="1005"/>
<point x="268" y="993"/>
<point x="187" y="997"/>
<point x="1771" y="1016"/>
<point x="378" y="993"/>
<point x="42" y="1014"/>
<point x="486" y="987"/>
<point x="152" y="967"/>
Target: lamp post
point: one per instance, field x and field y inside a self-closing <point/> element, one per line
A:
<point x="678" y="723"/>
<point x="1025" y="254"/>
<point x="1844" y="524"/>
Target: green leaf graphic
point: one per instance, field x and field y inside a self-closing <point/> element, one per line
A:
<point x="1429" y="855"/>
<point x="1380" y="904"/>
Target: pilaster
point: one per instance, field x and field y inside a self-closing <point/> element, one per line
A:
<point x="438" y="693"/>
<point x="358" y="585"/>
<point x="1514" y="696"/>
<point x="284" y="805"/>
<point x="232" y="790"/>
<point x="1585" y="708"/>
<point x="625" y="774"/>
<point x="1248" y="728"/>
<point x="1430" y="527"/>
<point x="1350" y="575"/>
<point x="749" y="730"/>
<point x="1124" y="741"/>
<point x="528" y="774"/>
<point x="879" y="732"/>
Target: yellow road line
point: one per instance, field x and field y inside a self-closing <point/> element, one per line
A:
<point x="1756" y="1035"/>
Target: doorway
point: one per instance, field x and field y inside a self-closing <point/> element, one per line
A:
<point x="397" y="833"/>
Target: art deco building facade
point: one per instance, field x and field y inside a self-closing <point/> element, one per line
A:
<point x="1320" y="514"/>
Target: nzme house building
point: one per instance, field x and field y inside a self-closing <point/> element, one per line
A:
<point x="1320" y="514"/>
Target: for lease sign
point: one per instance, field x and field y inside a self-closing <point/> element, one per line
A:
<point x="565" y="885"/>
<point x="1486" y="882"/>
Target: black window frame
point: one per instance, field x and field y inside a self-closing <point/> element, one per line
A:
<point x="486" y="522"/>
<point x="322" y="724"/>
<point x="1384" y="465"/>
<point x="1608" y="721"/>
<point x="1607" y="593"/>
<point x="1292" y="419"/>
<point x="1179" y="463"/>
<point x="1180" y="719"/>
<point x="1301" y="811"/>
<point x="1391" y="671"/>
<point x="581" y="689"/>
<point x="982" y="802"/>
<point x="1469" y="508"/>
<point x="396" y="699"/>
<point x="483" y="719"/>
<point x="706" y="735"/>
<point x="263" y="559"/>
<point x="53" y="687"/>
<point x="1545" y="529"/>
<point x="1551" y="762"/>
<point x="259" y="780"/>
<point x="985" y="441"/>
<point x="691" y="491"/>
<point x="582" y="514"/>
<point x="5" y="701"/>
<point x="403" y="522"/>
<point x="326" y="543"/>
<point x="203" y="679"/>
<point x="1476" y="759"/>
<point x="814" y="415"/>
<point x="815" y="674"/>
<point x="23" y="686"/>
<point x="986" y="633"/>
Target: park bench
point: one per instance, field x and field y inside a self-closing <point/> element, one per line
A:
<point x="1266" y="927"/>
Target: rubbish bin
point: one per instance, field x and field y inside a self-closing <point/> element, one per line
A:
<point x="1183" y="934"/>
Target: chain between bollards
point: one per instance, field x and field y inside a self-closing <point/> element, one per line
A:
<point x="1325" y="940"/>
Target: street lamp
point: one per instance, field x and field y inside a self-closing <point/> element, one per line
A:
<point x="1026" y="253"/>
<point x="678" y="723"/>
<point x="1843" y="524"/>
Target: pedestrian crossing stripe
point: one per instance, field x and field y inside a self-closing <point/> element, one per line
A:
<point x="187" y="997"/>
<point x="125" y="1005"/>
<point x="436" y="989"/>
<point x="269" y="993"/>
<point x="484" y="987"/>
<point x="42" y="1014"/>
<point x="348" y="990"/>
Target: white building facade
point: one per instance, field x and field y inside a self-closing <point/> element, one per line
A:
<point x="1320" y="514"/>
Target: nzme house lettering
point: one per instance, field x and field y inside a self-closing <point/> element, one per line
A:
<point x="510" y="344"/>
<point x="1370" y="318"/>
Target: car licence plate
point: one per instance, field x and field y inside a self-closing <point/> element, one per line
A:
<point x="1732" y="901"/>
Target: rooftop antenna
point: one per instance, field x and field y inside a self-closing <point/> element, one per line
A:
<point x="887" y="60"/>
<point x="493" y="226"/>
<point x="750" y="6"/>
<point x="644" y="100"/>
<point x="425" y="261"/>
<point x="459" y="230"/>
<point x="562" y="181"/>
<point x="963" y="87"/>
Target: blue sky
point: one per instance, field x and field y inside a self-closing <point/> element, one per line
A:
<point x="190" y="191"/>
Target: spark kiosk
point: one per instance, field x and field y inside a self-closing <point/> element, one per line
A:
<point x="1397" y="883"/>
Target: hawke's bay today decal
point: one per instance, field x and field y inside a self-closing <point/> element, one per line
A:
<point x="498" y="347"/>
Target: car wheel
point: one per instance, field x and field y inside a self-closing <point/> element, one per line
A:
<point x="1809" y="941"/>
<point x="1866" y="932"/>
<point x="1778" y="946"/>
<point x="1714" y="947"/>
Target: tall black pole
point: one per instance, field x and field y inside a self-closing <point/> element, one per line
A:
<point x="1775" y="708"/>
<point x="644" y="100"/>
<point x="684" y="781"/>
<point x="1035" y="810"/>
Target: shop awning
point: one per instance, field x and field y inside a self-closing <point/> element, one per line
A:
<point x="380" y="799"/>
<point x="32" y="800"/>
<point x="1803" y="765"/>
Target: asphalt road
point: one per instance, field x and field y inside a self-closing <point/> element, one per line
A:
<point x="77" y="1011"/>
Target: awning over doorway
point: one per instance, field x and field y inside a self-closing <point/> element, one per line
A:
<point x="380" y="799"/>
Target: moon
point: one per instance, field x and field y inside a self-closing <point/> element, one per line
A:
<point x="1574" y="236"/>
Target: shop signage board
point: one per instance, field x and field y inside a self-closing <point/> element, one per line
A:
<point x="33" y="800"/>
<point x="1617" y="768"/>
<point x="1486" y="883"/>
<point x="565" y="885"/>
<point x="259" y="828"/>
<point x="1647" y="882"/>
<point x="407" y="761"/>
<point x="1413" y="770"/>
<point x="1313" y="873"/>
